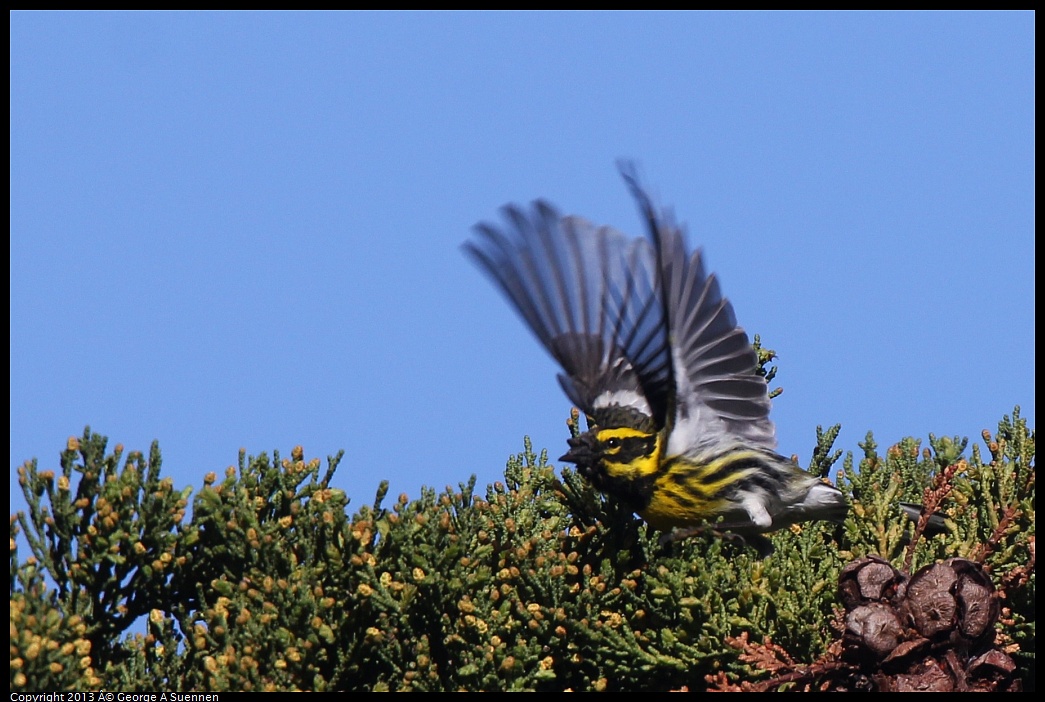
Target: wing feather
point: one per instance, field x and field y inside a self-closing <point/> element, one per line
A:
<point x="718" y="393"/>
<point x="635" y="322"/>
<point x="589" y="294"/>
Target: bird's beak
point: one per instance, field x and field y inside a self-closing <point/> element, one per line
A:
<point x="580" y="451"/>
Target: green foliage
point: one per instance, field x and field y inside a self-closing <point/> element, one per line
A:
<point x="765" y="357"/>
<point x="538" y="583"/>
<point x="49" y="650"/>
<point x="982" y="502"/>
<point x="105" y="536"/>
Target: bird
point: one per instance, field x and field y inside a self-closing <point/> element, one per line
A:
<point x="650" y="350"/>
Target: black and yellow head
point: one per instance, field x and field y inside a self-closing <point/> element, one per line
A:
<point x="619" y="454"/>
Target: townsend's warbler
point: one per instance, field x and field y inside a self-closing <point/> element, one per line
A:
<point x="651" y="352"/>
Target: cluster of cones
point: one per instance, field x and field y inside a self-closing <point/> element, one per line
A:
<point x="932" y="631"/>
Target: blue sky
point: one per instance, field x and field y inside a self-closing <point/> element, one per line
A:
<point x="243" y="230"/>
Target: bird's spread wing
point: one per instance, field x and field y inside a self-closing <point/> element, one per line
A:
<point x="590" y="295"/>
<point x="717" y="390"/>
<point x="633" y="322"/>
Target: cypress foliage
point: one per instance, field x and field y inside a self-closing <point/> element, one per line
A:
<point x="536" y="583"/>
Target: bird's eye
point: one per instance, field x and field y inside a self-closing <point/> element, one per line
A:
<point x="613" y="443"/>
